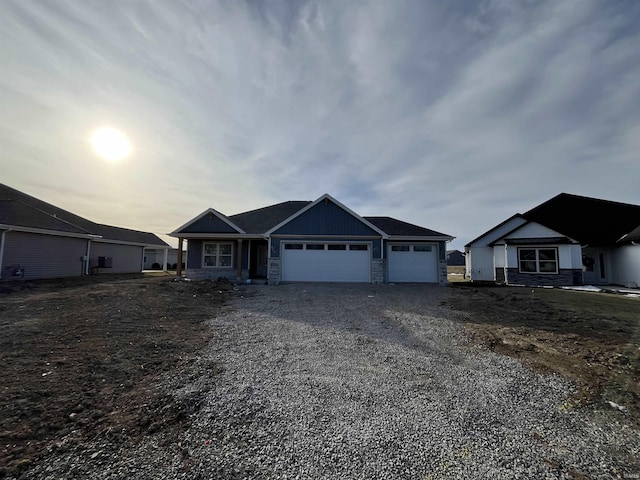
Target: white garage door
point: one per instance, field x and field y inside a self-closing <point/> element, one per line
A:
<point x="412" y="263"/>
<point x="326" y="262"/>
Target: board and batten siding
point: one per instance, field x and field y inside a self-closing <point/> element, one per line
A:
<point x="42" y="256"/>
<point x="126" y="258"/>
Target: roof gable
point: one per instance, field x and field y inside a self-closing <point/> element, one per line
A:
<point x="532" y="232"/>
<point x="498" y="231"/>
<point x="588" y="220"/>
<point x="326" y="216"/>
<point x="209" y="221"/>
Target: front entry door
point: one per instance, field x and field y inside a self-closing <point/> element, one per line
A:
<point x="261" y="261"/>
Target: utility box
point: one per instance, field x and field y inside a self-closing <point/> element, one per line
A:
<point x="105" y="262"/>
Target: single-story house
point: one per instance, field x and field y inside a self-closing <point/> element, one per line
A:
<point x="567" y="240"/>
<point x="40" y="240"/>
<point x="311" y="241"/>
<point x="455" y="258"/>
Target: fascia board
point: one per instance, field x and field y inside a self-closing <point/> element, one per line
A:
<point x="480" y="237"/>
<point x="187" y="236"/>
<point x="221" y="216"/>
<point x="326" y="196"/>
<point x="57" y="233"/>
<point x="402" y="238"/>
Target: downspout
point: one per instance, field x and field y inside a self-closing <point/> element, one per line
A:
<point x="86" y="263"/>
<point x="2" y="241"/>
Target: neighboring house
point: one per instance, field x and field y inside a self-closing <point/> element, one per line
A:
<point x="161" y="258"/>
<point x="319" y="241"/>
<point x="40" y="240"/>
<point x="568" y="240"/>
<point x="455" y="258"/>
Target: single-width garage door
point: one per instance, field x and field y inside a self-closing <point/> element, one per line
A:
<point x="326" y="262"/>
<point x="412" y="263"/>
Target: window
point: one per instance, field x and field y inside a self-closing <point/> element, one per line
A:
<point x="422" y="248"/>
<point x="399" y="248"/>
<point x="334" y="246"/>
<point x="315" y="246"/>
<point x="359" y="247"/>
<point x="293" y="246"/>
<point x="538" y="260"/>
<point x="217" y="254"/>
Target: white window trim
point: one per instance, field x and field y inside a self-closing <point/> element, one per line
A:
<point x="217" y="256"/>
<point x="537" y="250"/>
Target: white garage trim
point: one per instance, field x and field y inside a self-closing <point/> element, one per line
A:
<point x="412" y="262"/>
<point x="326" y="261"/>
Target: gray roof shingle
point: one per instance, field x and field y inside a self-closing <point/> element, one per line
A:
<point x="19" y="209"/>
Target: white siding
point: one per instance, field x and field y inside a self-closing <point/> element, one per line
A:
<point x="534" y="230"/>
<point x="126" y="258"/>
<point x="43" y="256"/>
<point x="625" y="265"/>
<point x="498" y="232"/>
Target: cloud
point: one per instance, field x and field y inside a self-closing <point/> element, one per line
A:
<point x="448" y="115"/>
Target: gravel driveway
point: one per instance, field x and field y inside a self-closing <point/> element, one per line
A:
<point x="370" y="382"/>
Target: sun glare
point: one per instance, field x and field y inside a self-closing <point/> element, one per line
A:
<point x="111" y="144"/>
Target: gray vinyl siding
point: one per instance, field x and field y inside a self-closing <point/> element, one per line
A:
<point x="126" y="258"/>
<point x="42" y="256"/>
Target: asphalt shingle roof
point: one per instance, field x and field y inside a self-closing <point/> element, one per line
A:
<point x="588" y="220"/>
<point x="391" y="226"/>
<point x="264" y="219"/>
<point x="19" y="209"/>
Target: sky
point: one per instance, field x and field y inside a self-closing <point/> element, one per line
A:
<point x="450" y="115"/>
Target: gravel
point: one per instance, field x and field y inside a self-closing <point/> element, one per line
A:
<point x="361" y="382"/>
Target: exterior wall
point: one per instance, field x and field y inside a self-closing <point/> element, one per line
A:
<point x="42" y="256"/>
<point x="209" y="224"/>
<point x="569" y="272"/>
<point x="274" y="271"/>
<point x="625" y="266"/>
<point x="563" y="277"/>
<point x="498" y="233"/>
<point x="534" y="230"/>
<point x="481" y="264"/>
<point x="196" y="271"/>
<point x="326" y="218"/>
<point x="126" y="258"/>
<point x="378" y="269"/>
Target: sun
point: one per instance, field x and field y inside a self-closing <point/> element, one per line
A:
<point x="111" y="144"/>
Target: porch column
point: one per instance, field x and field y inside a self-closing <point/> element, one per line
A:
<point x="239" y="269"/>
<point x="179" y="265"/>
<point x="166" y="259"/>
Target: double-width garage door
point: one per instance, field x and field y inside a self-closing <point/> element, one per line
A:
<point x="412" y="263"/>
<point x="326" y="262"/>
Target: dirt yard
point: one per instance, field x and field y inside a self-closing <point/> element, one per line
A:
<point x="79" y="358"/>
<point x="591" y="338"/>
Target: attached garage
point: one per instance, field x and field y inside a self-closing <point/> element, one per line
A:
<point x="326" y="262"/>
<point x="414" y="262"/>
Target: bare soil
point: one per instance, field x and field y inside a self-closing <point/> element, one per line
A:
<point x="591" y="338"/>
<point x="80" y="358"/>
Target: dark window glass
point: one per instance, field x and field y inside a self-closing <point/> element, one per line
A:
<point x="332" y="246"/>
<point x="293" y="246"/>
<point x="359" y="247"/>
<point x="399" y="248"/>
<point x="315" y="246"/>
<point x="422" y="248"/>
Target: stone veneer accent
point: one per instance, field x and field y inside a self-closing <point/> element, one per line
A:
<point x="443" y="273"/>
<point x="274" y="271"/>
<point x="377" y="270"/>
<point x="566" y="276"/>
<point x="214" y="274"/>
